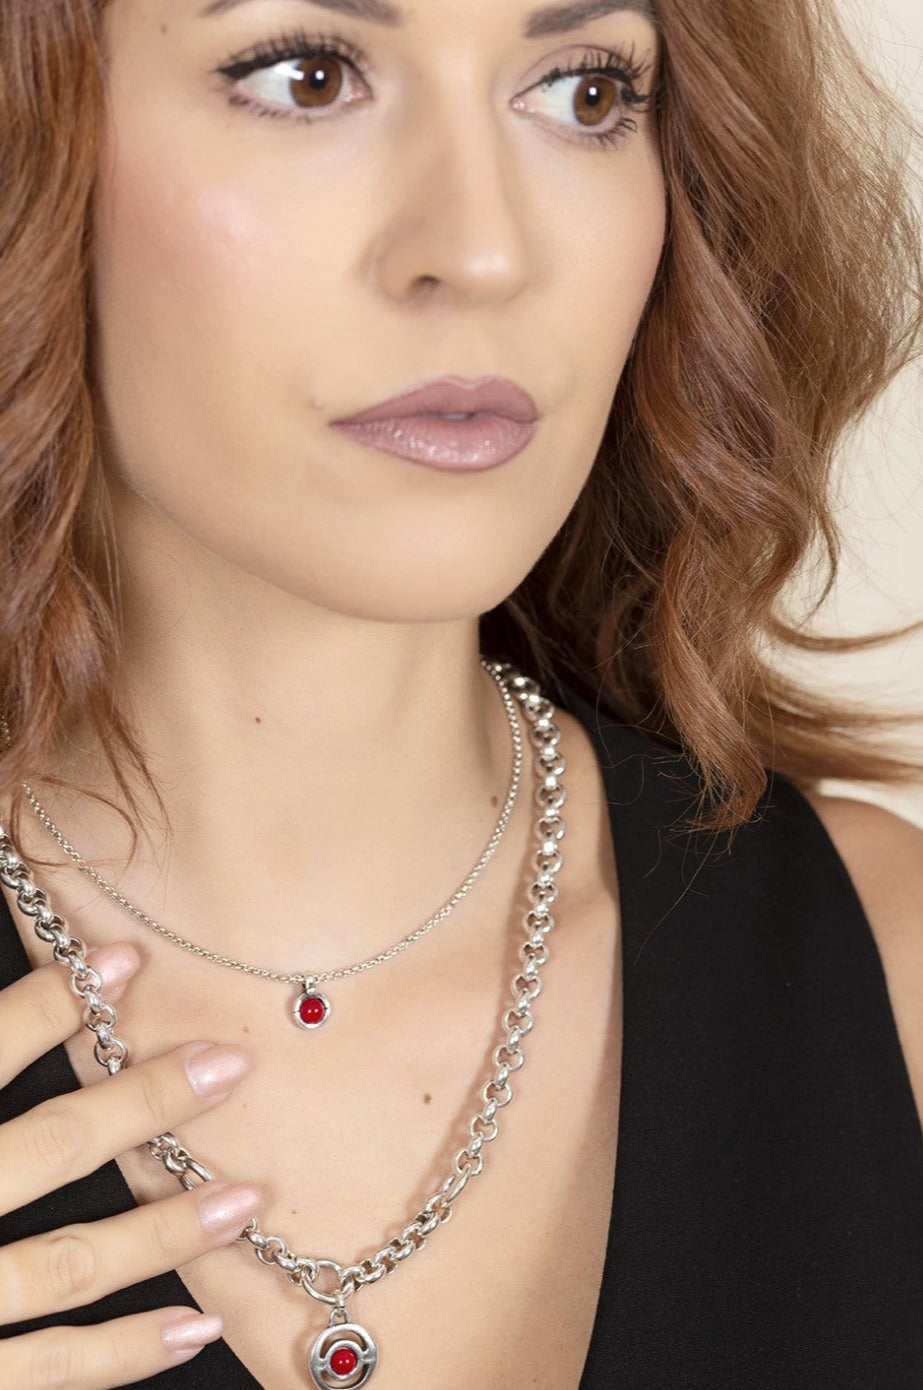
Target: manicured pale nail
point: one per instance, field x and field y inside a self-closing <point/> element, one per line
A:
<point x="224" y="1210"/>
<point x="192" y="1333"/>
<point x="214" y="1071"/>
<point x="115" y="966"/>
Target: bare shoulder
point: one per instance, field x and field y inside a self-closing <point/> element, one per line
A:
<point x="884" y="856"/>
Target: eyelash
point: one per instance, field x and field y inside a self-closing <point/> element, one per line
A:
<point x="620" y="68"/>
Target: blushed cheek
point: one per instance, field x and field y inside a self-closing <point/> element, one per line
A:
<point x="162" y="244"/>
<point x="183" y="282"/>
<point x="215" y="274"/>
<point x="156" y="311"/>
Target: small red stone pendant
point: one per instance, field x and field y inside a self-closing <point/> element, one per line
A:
<point x="344" y="1355"/>
<point x="311" y="1009"/>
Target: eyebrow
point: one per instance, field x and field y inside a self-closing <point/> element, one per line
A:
<point x="559" y="19"/>
<point x="554" y="19"/>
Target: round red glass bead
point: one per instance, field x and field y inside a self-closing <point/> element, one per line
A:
<point x="312" y="1010"/>
<point x="343" y="1361"/>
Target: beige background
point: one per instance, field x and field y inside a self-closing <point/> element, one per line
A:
<point x="880" y="485"/>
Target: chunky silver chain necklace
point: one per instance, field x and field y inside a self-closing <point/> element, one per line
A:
<point x="311" y="1009"/>
<point x="344" y="1355"/>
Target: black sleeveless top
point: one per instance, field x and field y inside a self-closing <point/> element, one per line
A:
<point x="767" y="1227"/>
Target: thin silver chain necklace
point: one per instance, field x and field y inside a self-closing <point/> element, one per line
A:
<point x="344" y="1355"/>
<point x="311" y="1009"/>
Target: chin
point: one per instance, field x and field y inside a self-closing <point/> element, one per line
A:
<point x="412" y="594"/>
<point x="397" y="562"/>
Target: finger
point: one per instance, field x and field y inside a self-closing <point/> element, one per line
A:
<point x="69" y="1136"/>
<point x="74" y="1266"/>
<point x="41" y="1010"/>
<point x="108" y="1356"/>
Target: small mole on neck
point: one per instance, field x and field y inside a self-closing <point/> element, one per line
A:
<point x="257" y="720"/>
<point x="495" y="801"/>
<point x="426" y="1097"/>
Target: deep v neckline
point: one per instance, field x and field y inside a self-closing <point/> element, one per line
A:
<point x="767" y="1217"/>
<point x="222" y="1360"/>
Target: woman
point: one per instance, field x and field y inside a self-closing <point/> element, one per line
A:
<point x="638" y="269"/>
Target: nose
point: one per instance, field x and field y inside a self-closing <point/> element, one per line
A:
<point x="454" y="225"/>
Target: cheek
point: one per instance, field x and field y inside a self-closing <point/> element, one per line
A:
<point x="178" y="261"/>
<point x="160" y="257"/>
<point x="618" y="268"/>
<point x="607" y="260"/>
<point x="208" y="293"/>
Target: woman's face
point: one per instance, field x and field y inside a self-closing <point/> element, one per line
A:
<point x="285" y="239"/>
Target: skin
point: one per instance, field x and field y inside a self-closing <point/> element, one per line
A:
<point x="293" y="600"/>
<point x="264" y="277"/>
<point x="301" y="620"/>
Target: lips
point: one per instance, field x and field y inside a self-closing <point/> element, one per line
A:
<point x="452" y="395"/>
<point x="449" y="424"/>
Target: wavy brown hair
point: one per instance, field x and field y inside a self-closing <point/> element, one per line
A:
<point x="789" y="294"/>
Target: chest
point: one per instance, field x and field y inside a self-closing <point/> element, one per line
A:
<point x="350" y="1130"/>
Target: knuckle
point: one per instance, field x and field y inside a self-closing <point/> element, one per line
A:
<point x="152" y="1097"/>
<point x="125" y="1356"/>
<point x="17" y="1282"/>
<point x="59" y="1137"/>
<point x="46" y="1010"/>
<point x="162" y="1234"/>
<point x="55" y="1366"/>
<point x="70" y="1267"/>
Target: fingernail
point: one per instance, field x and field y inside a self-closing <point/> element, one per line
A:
<point x="188" y="1335"/>
<point x="115" y="966"/>
<point x="214" y="1071"/>
<point x="224" y="1210"/>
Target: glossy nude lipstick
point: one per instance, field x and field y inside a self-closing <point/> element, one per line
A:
<point x="449" y="424"/>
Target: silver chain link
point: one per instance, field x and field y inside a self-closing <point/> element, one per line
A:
<point x="298" y="977"/>
<point x="517" y="1022"/>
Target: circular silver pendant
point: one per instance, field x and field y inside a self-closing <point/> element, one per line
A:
<point x="343" y="1356"/>
<point x="311" y="1009"/>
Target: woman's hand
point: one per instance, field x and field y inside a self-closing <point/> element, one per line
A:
<point x="65" y="1138"/>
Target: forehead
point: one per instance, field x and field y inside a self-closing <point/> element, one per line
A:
<point x="537" y="22"/>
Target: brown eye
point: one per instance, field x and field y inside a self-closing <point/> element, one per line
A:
<point x="316" y="82"/>
<point x="310" y="85"/>
<point x="594" y="99"/>
<point x="595" y="102"/>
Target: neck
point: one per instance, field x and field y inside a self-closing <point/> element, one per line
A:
<point x="345" y="773"/>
